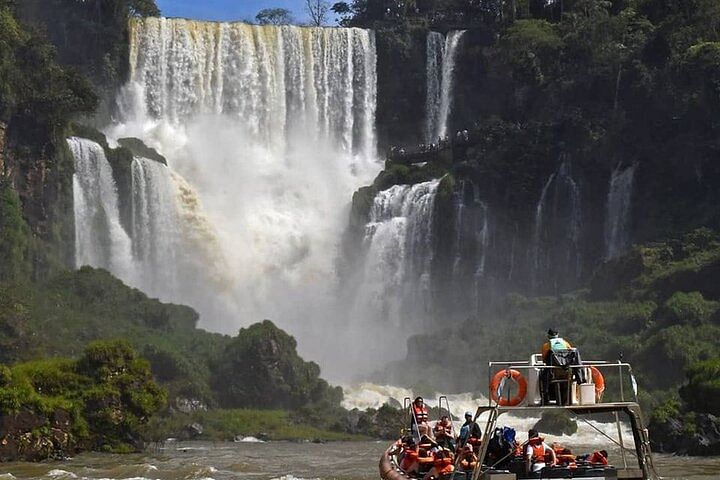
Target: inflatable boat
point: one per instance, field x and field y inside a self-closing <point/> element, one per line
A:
<point x="523" y="389"/>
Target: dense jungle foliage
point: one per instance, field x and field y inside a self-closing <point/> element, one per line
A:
<point x="598" y="84"/>
<point x="603" y="82"/>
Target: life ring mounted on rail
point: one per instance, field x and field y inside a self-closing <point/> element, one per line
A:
<point x="518" y="378"/>
<point x="599" y="382"/>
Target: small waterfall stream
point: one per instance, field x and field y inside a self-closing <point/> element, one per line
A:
<point x="619" y="208"/>
<point x="156" y="229"/>
<point x="555" y="251"/>
<point x="100" y="240"/>
<point x="440" y="71"/>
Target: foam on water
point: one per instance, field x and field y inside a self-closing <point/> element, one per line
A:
<point x="368" y="395"/>
<point x="55" y="473"/>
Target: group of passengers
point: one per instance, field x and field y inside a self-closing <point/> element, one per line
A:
<point x="435" y="452"/>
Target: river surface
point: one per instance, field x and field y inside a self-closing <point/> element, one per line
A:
<point x="267" y="461"/>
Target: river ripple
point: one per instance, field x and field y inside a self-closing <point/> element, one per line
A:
<point x="266" y="461"/>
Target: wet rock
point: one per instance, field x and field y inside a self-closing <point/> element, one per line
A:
<point x="696" y="434"/>
<point x="556" y="423"/>
<point x="192" y="430"/>
<point x="138" y="148"/>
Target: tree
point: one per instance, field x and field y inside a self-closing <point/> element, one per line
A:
<point x="261" y="368"/>
<point x="318" y="11"/>
<point x="274" y="16"/>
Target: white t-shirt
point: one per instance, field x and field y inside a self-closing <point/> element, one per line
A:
<point x="536" y="466"/>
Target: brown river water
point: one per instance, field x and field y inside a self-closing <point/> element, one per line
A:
<point x="266" y="461"/>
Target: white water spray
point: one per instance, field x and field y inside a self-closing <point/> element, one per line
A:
<point x="271" y="129"/>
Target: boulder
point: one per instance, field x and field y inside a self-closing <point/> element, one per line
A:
<point x="696" y="434"/>
<point x="556" y="423"/>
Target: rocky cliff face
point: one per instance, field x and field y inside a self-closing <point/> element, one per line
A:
<point x="27" y="436"/>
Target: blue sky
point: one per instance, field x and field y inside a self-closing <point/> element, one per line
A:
<point x="226" y="9"/>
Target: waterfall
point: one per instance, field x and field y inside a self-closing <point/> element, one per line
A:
<point x="435" y="53"/>
<point x="100" y="240"/>
<point x="556" y="256"/>
<point x="393" y="297"/>
<point x="471" y="245"/>
<point x="440" y="71"/>
<point x="617" y="219"/>
<point x="270" y="129"/>
<point x="278" y="80"/>
<point x="156" y="228"/>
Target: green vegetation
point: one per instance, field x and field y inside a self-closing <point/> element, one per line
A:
<point x="261" y="368"/>
<point x="227" y="425"/>
<point x="274" y="16"/>
<point x="102" y="400"/>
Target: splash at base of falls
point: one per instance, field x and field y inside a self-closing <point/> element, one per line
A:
<point x="271" y="129"/>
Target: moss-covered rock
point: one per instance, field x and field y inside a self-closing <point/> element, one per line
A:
<point x="261" y="368"/>
<point x="53" y="408"/>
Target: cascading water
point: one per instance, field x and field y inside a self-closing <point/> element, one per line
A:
<point x="555" y="251"/>
<point x="273" y="129"/>
<point x="156" y="228"/>
<point x="440" y="72"/>
<point x="394" y="295"/>
<point x="100" y="240"/>
<point x="471" y="248"/>
<point x="617" y="219"/>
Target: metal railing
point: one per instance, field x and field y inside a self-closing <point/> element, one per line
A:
<point x="624" y="371"/>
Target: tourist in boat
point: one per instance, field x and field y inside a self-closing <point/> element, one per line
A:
<point x="444" y="434"/>
<point x="468" y="459"/>
<point x="555" y="343"/>
<point x="557" y="351"/>
<point x="409" y="456"/>
<point x="470" y="431"/>
<point x="599" y="457"/>
<point x="563" y="456"/>
<point x="538" y="454"/>
<point x="419" y="415"/>
<point x="502" y="446"/>
<point x="443" y="465"/>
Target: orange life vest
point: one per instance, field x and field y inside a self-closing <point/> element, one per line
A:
<point x="598" y="457"/>
<point x="410" y="456"/>
<point x="539" y="452"/>
<point x="421" y="413"/>
<point x="443" y="466"/>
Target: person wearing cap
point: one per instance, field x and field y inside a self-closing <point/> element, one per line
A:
<point x="469" y="432"/>
<point x="555" y="343"/>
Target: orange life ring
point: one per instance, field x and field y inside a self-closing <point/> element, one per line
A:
<point x="517" y="378"/>
<point x="599" y="382"/>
